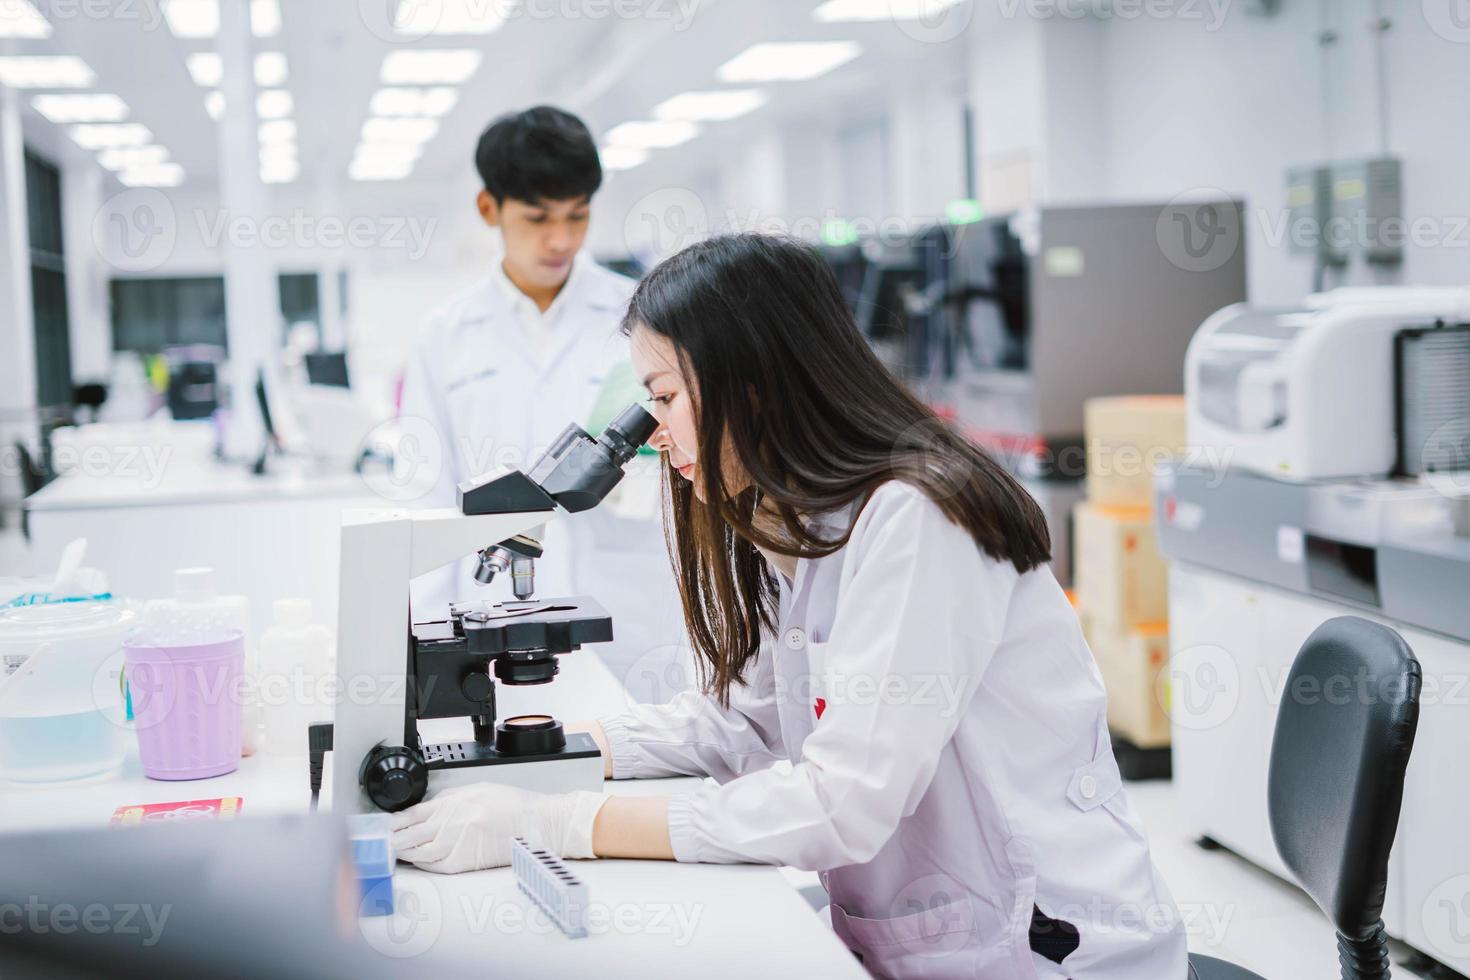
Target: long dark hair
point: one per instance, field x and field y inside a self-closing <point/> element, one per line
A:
<point x="788" y="387"/>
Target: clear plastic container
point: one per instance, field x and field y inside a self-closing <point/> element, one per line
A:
<point x="61" y="707"/>
<point x="296" y="665"/>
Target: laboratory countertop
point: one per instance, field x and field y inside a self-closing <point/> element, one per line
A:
<point x="170" y="482"/>
<point x="646" y="918"/>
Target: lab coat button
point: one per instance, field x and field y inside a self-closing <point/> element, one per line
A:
<point x="1087" y="786"/>
<point x="795" y="638"/>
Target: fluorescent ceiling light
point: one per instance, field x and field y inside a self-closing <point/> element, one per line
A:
<point x="275" y="153"/>
<point x="652" y="135"/>
<point x="379" y="169"/>
<point x="279" y="172"/>
<point x="841" y="11"/>
<point x="399" y="129"/>
<point x="271" y="69"/>
<point x="788" y="61"/>
<point x="421" y="66"/>
<point x="621" y="157"/>
<point x="418" y="19"/>
<point x="265" y="18"/>
<point x="276" y="132"/>
<point x="129" y="157"/>
<point x="387" y="152"/>
<point x="273" y="103"/>
<point x="45" y="71"/>
<point x="91" y="107"/>
<point x="18" y="18"/>
<point x="214" y="104"/>
<point x="413" y="101"/>
<point x="100" y="136"/>
<point x="207" y="70"/>
<point x="192" y="18"/>
<point x="200" y="18"/>
<point x="153" y="175"/>
<point x="710" y="106"/>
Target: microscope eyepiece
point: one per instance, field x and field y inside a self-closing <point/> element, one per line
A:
<point x="631" y="429"/>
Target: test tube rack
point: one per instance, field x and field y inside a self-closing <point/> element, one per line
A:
<point x="548" y="883"/>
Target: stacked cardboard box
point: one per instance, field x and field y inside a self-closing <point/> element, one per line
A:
<point x="1120" y="576"/>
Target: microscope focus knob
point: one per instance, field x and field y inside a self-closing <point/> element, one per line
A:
<point x="394" y="777"/>
<point x="477" y="686"/>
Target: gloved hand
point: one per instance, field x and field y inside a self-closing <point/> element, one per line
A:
<point x="467" y="828"/>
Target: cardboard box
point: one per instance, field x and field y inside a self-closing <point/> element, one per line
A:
<point x="1120" y="577"/>
<point x="1127" y="440"/>
<point x="1131" y="662"/>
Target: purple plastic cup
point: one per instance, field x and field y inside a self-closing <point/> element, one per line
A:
<point x="186" y="702"/>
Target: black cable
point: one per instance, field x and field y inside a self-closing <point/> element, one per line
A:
<point x="319" y="743"/>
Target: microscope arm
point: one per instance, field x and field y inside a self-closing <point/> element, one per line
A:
<point x="440" y="536"/>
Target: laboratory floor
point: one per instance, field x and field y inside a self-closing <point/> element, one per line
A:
<point x="1236" y="911"/>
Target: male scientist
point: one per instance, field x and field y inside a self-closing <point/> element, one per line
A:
<point x="501" y="368"/>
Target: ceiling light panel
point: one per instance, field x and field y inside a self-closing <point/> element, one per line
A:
<point x="45" y="71"/>
<point x="413" y="101"/>
<point x="652" y="135"/>
<point x="100" y="136"/>
<point x="192" y="19"/>
<point x="788" y="61"/>
<point x="132" y="157"/>
<point x="155" y="175"/>
<point x="622" y="157"/>
<point x="274" y="103"/>
<point x="207" y="70"/>
<point x="710" y="106"/>
<point x="89" y="107"/>
<point x="276" y="132"/>
<point x="20" y="19"/>
<point x="399" y="129"/>
<point x="421" y="66"/>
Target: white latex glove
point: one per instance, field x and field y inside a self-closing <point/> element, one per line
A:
<point x="469" y="827"/>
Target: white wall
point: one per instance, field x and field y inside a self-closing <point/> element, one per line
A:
<point x="1150" y="108"/>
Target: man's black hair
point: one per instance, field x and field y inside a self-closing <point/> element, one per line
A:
<point x="540" y="154"/>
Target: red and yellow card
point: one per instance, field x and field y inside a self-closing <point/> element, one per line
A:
<point x="223" y="808"/>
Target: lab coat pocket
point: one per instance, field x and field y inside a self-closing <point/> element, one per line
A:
<point x="938" y="941"/>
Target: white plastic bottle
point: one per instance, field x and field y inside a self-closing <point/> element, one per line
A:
<point x="296" y="664"/>
<point x="196" y="605"/>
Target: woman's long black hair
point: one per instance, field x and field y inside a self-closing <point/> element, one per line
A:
<point x="788" y="387"/>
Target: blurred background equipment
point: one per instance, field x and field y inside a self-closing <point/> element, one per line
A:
<point x="1007" y="325"/>
<point x="1268" y="537"/>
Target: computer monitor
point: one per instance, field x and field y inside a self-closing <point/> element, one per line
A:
<point x="327" y="369"/>
<point x="262" y="896"/>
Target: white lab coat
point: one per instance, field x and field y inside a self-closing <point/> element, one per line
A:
<point x="474" y="377"/>
<point x="959" y="774"/>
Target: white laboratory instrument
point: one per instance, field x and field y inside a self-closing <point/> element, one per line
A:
<point x="1307" y="393"/>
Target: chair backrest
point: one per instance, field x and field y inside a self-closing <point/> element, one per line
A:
<point x="1343" y="737"/>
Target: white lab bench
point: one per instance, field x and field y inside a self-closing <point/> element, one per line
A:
<point x="647" y="918"/>
<point x="268" y="537"/>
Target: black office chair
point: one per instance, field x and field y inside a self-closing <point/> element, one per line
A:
<point x="1343" y="737"/>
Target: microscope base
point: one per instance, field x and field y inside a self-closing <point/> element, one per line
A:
<point x="576" y="767"/>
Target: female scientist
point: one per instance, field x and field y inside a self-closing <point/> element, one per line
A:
<point x="869" y="599"/>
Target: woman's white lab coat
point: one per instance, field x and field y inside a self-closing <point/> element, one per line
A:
<point x="959" y="776"/>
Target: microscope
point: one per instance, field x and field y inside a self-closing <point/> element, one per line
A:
<point x="394" y="672"/>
